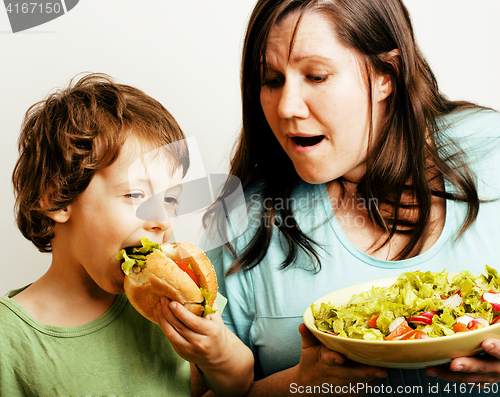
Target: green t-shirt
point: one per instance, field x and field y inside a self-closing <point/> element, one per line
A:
<point x="119" y="354"/>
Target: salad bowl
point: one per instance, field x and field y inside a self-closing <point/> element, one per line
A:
<point x="419" y="353"/>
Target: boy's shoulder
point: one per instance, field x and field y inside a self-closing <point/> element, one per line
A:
<point x="116" y="343"/>
<point x="13" y="323"/>
<point x="9" y="309"/>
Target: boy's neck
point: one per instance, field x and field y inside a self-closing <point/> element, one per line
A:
<point x="58" y="299"/>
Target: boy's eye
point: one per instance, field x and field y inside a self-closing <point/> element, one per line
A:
<point x="135" y="195"/>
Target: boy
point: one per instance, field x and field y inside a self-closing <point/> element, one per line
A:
<point x="90" y="155"/>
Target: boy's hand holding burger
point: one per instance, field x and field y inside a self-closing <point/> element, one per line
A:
<point x="175" y="286"/>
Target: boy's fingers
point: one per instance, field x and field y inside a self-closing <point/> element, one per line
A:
<point x="196" y="323"/>
<point x="180" y="344"/>
<point x="183" y="322"/>
<point x="166" y="314"/>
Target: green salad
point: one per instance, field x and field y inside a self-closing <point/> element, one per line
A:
<point x="418" y="305"/>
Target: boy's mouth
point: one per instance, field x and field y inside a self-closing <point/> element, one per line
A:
<point x="307" y="141"/>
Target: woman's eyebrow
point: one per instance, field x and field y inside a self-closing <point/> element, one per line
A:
<point x="315" y="58"/>
<point x="300" y="58"/>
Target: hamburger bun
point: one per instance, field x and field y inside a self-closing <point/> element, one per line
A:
<point x="161" y="277"/>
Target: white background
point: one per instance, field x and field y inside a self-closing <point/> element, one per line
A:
<point x="186" y="54"/>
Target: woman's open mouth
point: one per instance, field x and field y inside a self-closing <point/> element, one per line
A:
<point x="307" y="141"/>
<point x="306" y="144"/>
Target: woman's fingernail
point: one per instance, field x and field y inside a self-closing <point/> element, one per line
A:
<point x="380" y="374"/>
<point x="459" y="368"/>
<point x="339" y="360"/>
<point x="431" y="372"/>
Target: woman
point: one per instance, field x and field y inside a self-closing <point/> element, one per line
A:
<point x="355" y="168"/>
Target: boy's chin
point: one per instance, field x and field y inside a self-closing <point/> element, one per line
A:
<point x="115" y="287"/>
<point x="116" y="290"/>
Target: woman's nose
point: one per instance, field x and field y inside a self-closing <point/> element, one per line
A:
<point x="292" y="103"/>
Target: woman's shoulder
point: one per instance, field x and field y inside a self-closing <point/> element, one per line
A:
<point x="474" y="135"/>
<point x="471" y="123"/>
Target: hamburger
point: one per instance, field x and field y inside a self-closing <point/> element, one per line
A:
<point x="179" y="271"/>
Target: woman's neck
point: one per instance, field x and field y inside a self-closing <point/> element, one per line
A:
<point x="352" y="213"/>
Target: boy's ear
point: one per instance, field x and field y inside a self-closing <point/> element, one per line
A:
<point x="383" y="82"/>
<point x="59" y="216"/>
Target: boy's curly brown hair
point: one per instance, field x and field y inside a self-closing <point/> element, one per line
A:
<point x="66" y="138"/>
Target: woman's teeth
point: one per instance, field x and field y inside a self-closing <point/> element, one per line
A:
<point x="307" y="141"/>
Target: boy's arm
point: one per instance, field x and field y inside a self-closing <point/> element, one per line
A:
<point x="225" y="363"/>
<point x="198" y="386"/>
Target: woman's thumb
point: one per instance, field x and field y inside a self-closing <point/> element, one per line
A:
<point x="308" y="339"/>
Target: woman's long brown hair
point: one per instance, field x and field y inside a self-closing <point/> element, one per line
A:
<point x="409" y="148"/>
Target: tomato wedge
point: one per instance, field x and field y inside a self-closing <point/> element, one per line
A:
<point x="418" y="334"/>
<point x="404" y="332"/>
<point x="184" y="266"/>
<point x="400" y="333"/>
<point x="372" y="322"/>
<point x="460" y="327"/>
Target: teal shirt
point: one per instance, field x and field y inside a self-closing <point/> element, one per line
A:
<point x="266" y="304"/>
<point x="119" y="354"/>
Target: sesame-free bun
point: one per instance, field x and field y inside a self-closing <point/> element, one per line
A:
<point x="161" y="277"/>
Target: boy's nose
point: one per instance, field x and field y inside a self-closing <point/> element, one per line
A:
<point x="154" y="211"/>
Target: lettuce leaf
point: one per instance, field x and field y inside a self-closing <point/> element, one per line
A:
<point x="206" y="298"/>
<point x="136" y="256"/>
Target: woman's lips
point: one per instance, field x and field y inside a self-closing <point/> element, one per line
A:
<point x="304" y="144"/>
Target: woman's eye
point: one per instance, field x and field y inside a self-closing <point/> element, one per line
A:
<point x="171" y="200"/>
<point x="317" y="78"/>
<point x="273" y="82"/>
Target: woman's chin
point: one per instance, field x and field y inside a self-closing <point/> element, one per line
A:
<point x="313" y="179"/>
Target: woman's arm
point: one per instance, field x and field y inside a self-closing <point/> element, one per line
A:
<point x="320" y="367"/>
<point x="480" y="370"/>
<point x="224" y="362"/>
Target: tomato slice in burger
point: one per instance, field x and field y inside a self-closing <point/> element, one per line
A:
<point x="184" y="266"/>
